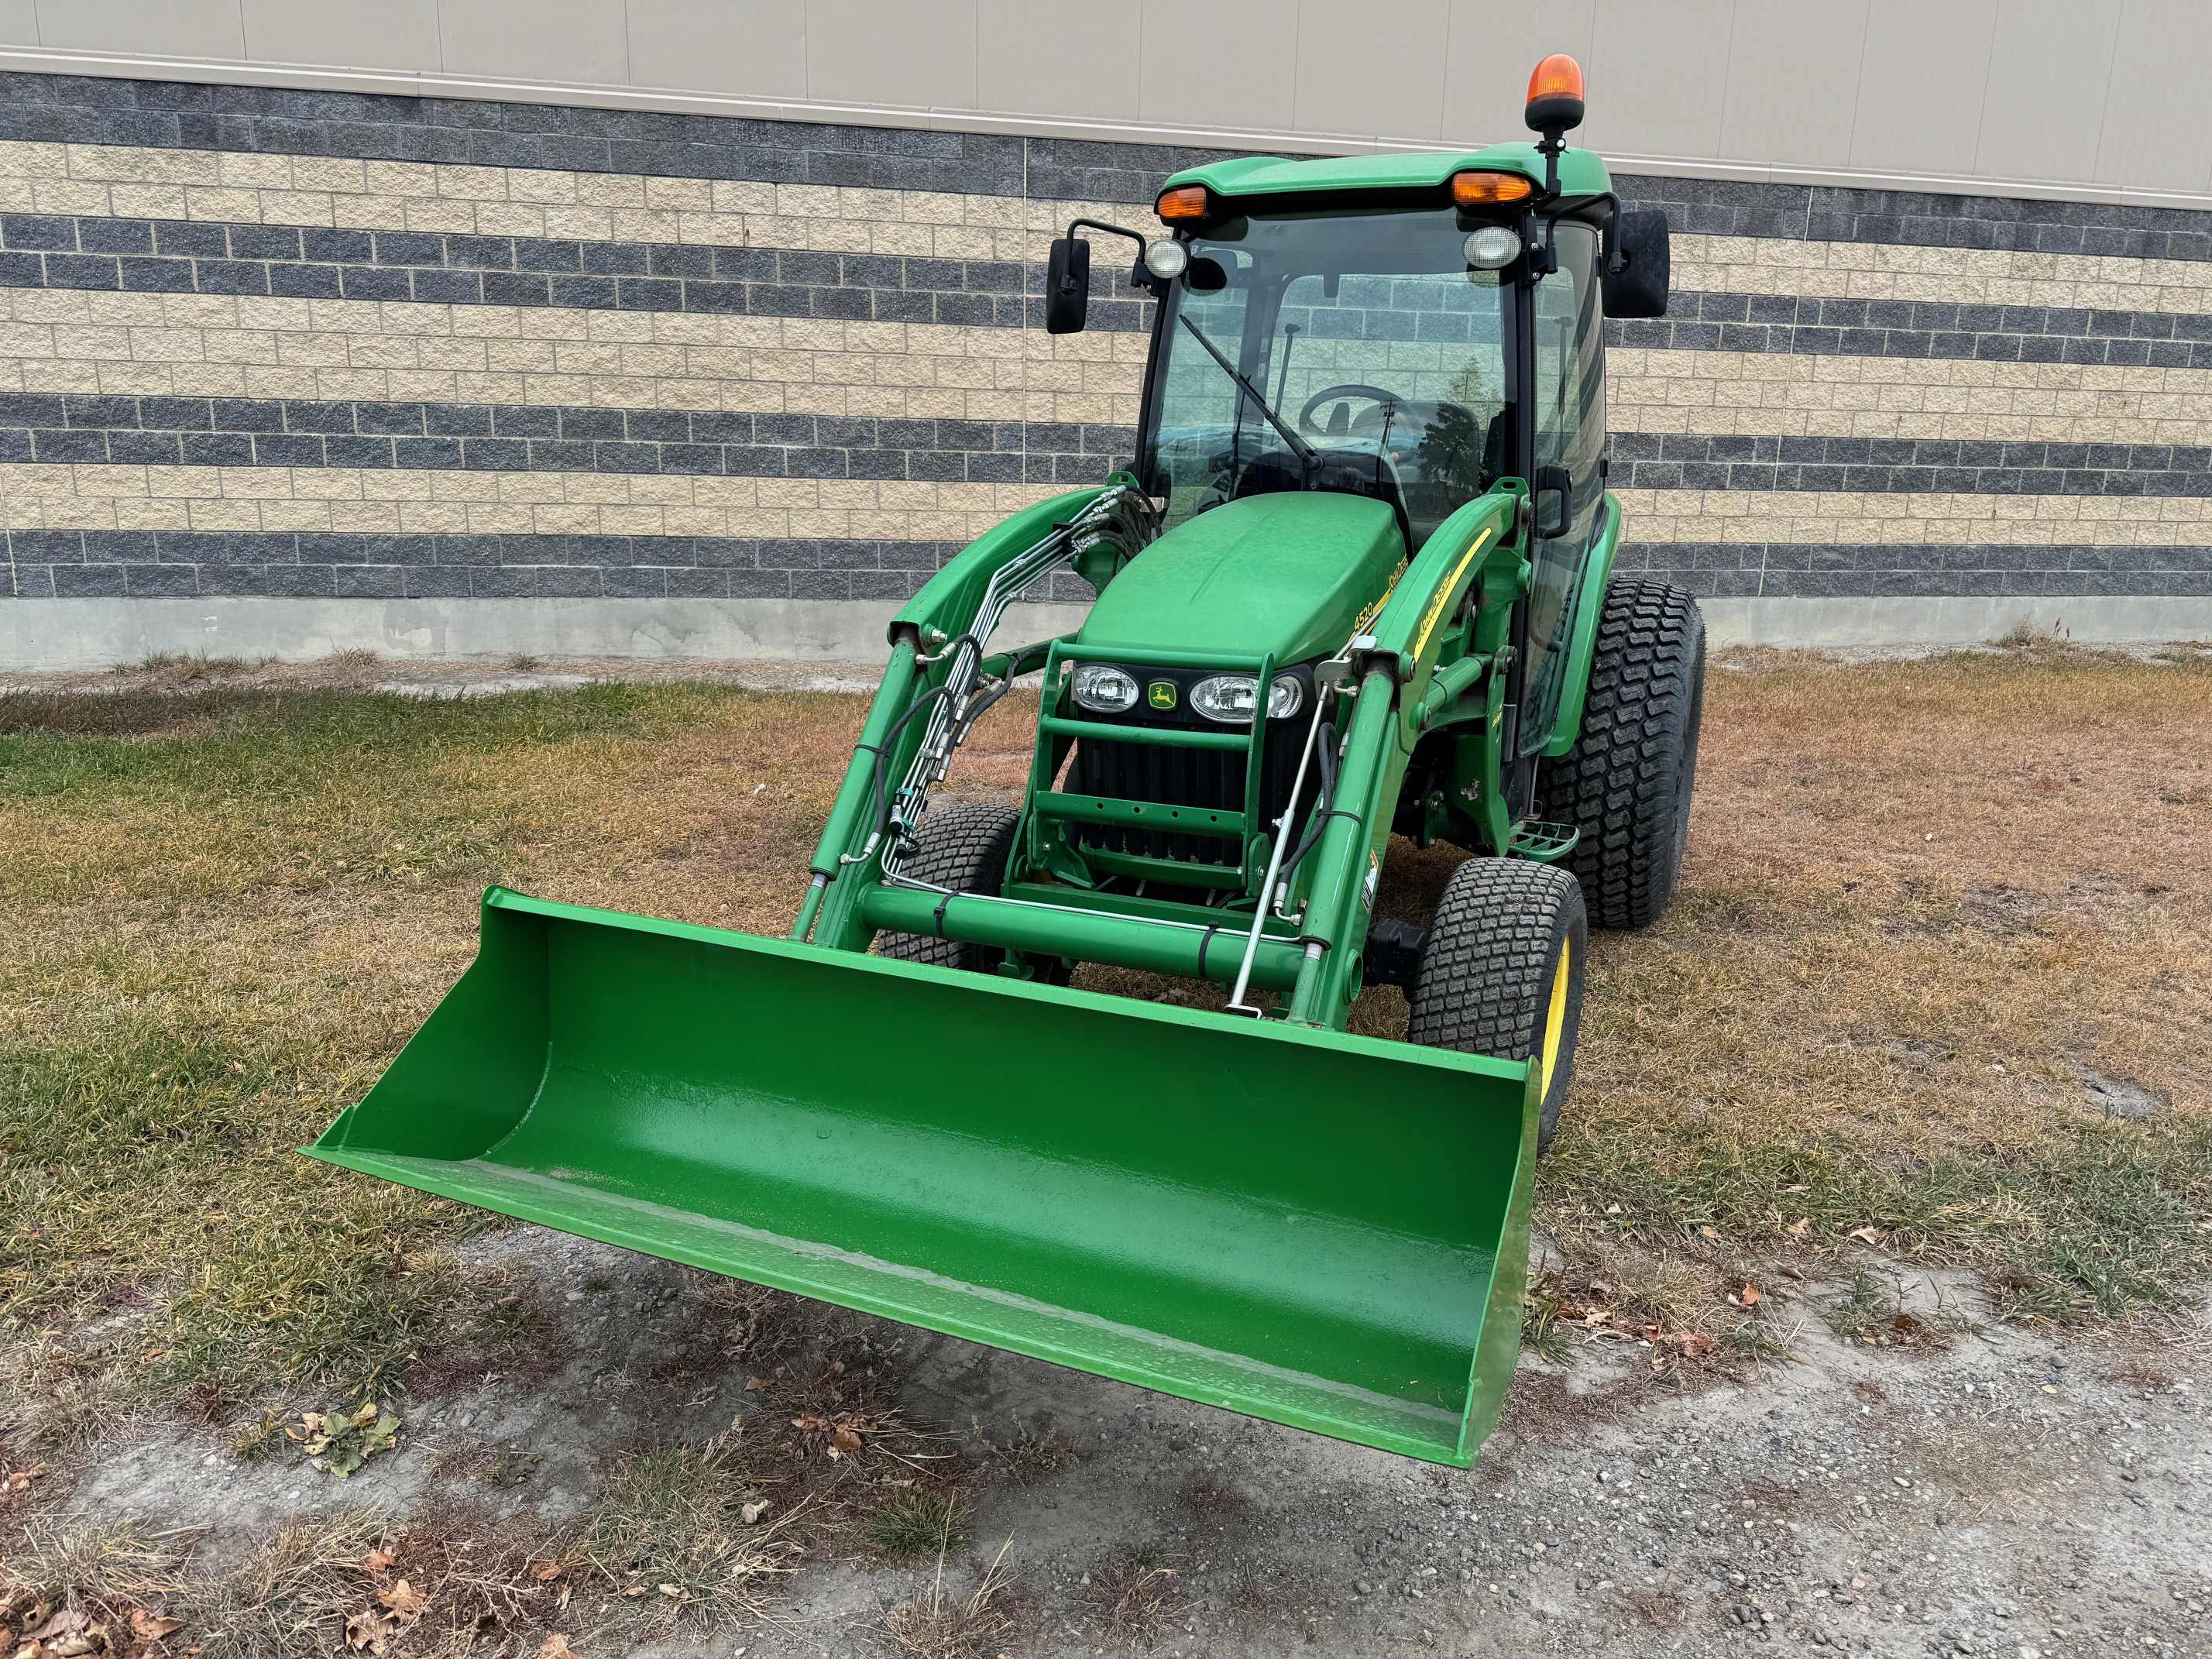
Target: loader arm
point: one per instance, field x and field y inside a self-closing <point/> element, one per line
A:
<point x="945" y="610"/>
<point x="1477" y="548"/>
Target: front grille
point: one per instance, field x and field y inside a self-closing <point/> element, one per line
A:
<point x="1207" y="779"/>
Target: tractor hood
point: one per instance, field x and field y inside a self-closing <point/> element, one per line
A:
<point x="1287" y="574"/>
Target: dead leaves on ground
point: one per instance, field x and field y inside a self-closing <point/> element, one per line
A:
<point x="398" y="1605"/>
<point x="73" y="1633"/>
<point x="399" y="1599"/>
<point x="834" y="1436"/>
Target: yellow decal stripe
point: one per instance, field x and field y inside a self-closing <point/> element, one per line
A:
<point x="1368" y="616"/>
<point x="1444" y="594"/>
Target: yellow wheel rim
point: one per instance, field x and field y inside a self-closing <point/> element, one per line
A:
<point x="1555" y="1022"/>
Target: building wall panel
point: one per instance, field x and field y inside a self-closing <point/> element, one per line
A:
<point x="263" y="341"/>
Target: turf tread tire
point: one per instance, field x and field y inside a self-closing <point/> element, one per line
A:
<point x="1484" y="982"/>
<point x="1626" y="783"/>
<point x="963" y="847"/>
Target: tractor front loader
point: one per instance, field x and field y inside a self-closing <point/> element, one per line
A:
<point x="1358" y="585"/>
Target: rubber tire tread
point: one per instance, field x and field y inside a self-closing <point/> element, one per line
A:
<point x="1485" y="982"/>
<point x="1625" y="784"/>
<point x="964" y="847"/>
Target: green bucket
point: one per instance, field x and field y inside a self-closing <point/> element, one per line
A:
<point x="1324" y="1230"/>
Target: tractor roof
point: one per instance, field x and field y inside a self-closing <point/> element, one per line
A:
<point x="1582" y="171"/>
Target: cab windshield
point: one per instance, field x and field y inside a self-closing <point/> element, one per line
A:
<point x="1367" y="356"/>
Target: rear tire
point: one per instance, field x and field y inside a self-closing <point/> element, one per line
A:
<point x="1627" y="782"/>
<point x="1502" y="972"/>
<point x="963" y="847"/>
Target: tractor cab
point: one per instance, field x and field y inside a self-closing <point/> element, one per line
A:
<point x="1415" y="330"/>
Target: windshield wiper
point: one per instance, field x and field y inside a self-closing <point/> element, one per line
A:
<point x="1305" y="451"/>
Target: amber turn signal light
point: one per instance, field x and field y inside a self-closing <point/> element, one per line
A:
<point x="1182" y="204"/>
<point x="1489" y="189"/>
<point x="1555" y="94"/>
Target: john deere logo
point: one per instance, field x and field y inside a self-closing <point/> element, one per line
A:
<point x="1160" y="694"/>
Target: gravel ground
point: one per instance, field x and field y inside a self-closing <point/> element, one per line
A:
<point x="2014" y="1495"/>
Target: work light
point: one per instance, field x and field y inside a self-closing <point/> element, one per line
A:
<point x="1166" y="259"/>
<point x="1492" y="248"/>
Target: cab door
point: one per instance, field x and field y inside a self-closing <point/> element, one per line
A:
<point x="1567" y="404"/>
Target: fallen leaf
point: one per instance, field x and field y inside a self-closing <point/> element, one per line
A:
<point x="546" y="1571"/>
<point x="556" y="1647"/>
<point x="1866" y="1234"/>
<point x="1800" y="1227"/>
<point x="846" y="1439"/>
<point x="378" y="1563"/>
<point x="810" y="1423"/>
<point x="404" y="1600"/>
<point x="674" y="1592"/>
<point x="755" y="1384"/>
<point x="1709" y="1232"/>
<point x="1750" y="1294"/>
<point x="152" y="1626"/>
<point x="751" y="1513"/>
<point x="369" y="1631"/>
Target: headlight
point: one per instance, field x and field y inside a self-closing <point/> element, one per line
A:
<point x="1104" y="688"/>
<point x="1229" y="698"/>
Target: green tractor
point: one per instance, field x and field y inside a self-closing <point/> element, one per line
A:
<point x="1359" y="586"/>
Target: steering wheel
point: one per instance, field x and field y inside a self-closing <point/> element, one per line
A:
<point x="1331" y="393"/>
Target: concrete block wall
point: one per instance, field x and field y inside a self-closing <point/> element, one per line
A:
<point x="282" y="345"/>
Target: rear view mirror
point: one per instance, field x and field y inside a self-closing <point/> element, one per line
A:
<point x="1067" y="286"/>
<point x="1638" y="288"/>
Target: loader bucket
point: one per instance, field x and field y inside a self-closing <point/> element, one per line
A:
<point x="1325" y="1230"/>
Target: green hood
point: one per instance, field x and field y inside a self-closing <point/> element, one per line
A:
<point x="1288" y="573"/>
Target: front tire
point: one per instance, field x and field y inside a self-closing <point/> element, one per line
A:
<point x="1626" y="783"/>
<point x="1502" y="972"/>
<point x="964" y="847"/>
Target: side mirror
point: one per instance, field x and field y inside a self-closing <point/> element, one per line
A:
<point x="1552" y="494"/>
<point x="1638" y="286"/>
<point x="1067" y="285"/>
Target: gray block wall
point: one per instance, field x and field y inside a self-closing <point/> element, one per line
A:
<point x="295" y="344"/>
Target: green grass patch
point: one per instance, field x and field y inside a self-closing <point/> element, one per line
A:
<point x="676" y="1517"/>
<point x="917" y="1523"/>
<point x="147" y="1163"/>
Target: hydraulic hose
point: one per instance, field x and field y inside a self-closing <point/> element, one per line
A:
<point x="1324" y="801"/>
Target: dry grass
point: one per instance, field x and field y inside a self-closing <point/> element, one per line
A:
<point x="935" y="1628"/>
<point x="436" y="1589"/>
<point x="1924" y="900"/>
<point x="1136" y="1595"/>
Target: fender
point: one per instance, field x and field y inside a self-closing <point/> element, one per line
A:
<point x="1581" y="640"/>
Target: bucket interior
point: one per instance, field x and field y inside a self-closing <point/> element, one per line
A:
<point x="1302" y="1226"/>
